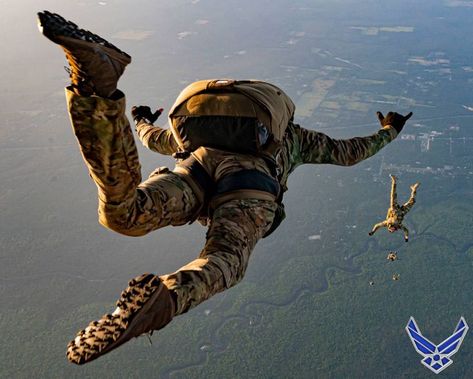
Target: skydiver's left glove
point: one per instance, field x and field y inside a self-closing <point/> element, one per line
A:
<point x="394" y="119"/>
<point x="143" y="112"/>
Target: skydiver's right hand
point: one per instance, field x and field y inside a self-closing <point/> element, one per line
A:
<point x="394" y="119"/>
<point x="143" y="112"/>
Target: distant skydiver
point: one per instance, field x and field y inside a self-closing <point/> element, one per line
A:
<point x="392" y="256"/>
<point x="397" y="212"/>
<point x="236" y="145"/>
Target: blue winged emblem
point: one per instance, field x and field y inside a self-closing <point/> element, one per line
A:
<point x="437" y="357"/>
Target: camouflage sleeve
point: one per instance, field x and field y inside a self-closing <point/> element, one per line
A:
<point x="406" y="232"/>
<point x="377" y="226"/>
<point x="315" y="147"/>
<point x="156" y="139"/>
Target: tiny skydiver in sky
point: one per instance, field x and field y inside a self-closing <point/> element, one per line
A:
<point x="392" y="256"/>
<point x="397" y="212"/>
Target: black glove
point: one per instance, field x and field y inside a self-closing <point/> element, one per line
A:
<point x="143" y="112"/>
<point x="394" y="119"/>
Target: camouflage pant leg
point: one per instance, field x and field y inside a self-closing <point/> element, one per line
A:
<point x="410" y="203"/>
<point x="235" y="228"/>
<point x="108" y="148"/>
<point x="393" y="201"/>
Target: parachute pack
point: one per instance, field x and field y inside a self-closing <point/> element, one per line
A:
<point x="242" y="116"/>
<point x="255" y="116"/>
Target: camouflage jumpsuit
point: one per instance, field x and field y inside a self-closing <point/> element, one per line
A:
<point x="396" y="212"/>
<point x="132" y="207"/>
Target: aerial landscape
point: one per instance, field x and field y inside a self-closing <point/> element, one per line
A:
<point x="318" y="299"/>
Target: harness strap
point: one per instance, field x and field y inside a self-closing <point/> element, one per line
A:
<point x="201" y="182"/>
<point x="248" y="179"/>
<point x="243" y="184"/>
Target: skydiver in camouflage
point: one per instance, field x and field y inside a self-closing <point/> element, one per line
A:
<point x="243" y="206"/>
<point x="396" y="212"/>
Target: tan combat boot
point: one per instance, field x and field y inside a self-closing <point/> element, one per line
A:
<point x="145" y="305"/>
<point x="414" y="187"/>
<point x="95" y="64"/>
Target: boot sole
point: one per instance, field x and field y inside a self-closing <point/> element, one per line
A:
<point x="59" y="30"/>
<point x="111" y="331"/>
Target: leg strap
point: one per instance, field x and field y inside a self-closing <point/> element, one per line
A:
<point x="243" y="184"/>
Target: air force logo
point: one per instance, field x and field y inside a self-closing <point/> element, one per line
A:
<point x="437" y="358"/>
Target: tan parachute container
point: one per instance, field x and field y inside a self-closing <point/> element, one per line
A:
<point x="250" y="99"/>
